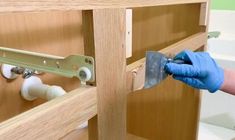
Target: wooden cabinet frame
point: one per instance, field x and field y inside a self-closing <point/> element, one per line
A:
<point x="104" y="39"/>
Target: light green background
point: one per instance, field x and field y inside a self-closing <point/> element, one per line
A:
<point x="223" y="4"/>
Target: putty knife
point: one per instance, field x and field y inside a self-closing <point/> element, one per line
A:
<point x="155" y="68"/>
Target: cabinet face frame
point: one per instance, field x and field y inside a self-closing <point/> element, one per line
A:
<point x="106" y="96"/>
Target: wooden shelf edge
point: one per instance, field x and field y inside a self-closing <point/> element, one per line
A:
<point x="46" y="5"/>
<point x="53" y="119"/>
<point x="82" y="134"/>
<point x="136" y="70"/>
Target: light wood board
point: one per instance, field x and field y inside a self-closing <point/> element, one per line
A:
<point x="136" y="70"/>
<point x="169" y="110"/>
<point x="89" y="48"/>
<point x="35" y="5"/>
<point x="171" y="106"/>
<point x="57" y="33"/>
<point x="53" y="119"/>
<point x="110" y="55"/>
<point x="82" y="134"/>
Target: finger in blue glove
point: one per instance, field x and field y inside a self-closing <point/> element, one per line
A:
<point x="201" y="71"/>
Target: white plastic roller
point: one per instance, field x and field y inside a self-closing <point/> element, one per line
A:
<point x="33" y="88"/>
<point x="84" y="74"/>
<point x="7" y="73"/>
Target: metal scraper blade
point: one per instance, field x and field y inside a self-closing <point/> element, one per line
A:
<point x="154" y="73"/>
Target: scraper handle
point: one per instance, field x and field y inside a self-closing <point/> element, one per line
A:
<point x="177" y="61"/>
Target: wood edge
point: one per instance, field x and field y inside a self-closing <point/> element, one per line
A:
<point x="129" y="24"/>
<point x="29" y="6"/>
<point x="203" y="21"/>
<point x="29" y="124"/>
<point x="192" y="43"/>
<point x="199" y="103"/>
<point x="136" y="71"/>
<point x="89" y="49"/>
<point x="83" y="135"/>
<point x="204" y="48"/>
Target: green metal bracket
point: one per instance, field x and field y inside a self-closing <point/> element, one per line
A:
<point x="68" y="67"/>
<point x="214" y="34"/>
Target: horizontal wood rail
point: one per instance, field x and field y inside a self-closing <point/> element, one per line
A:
<point x="82" y="134"/>
<point x="136" y="70"/>
<point x="35" y="5"/>
<point x="53" y="119"/>
<point x="56" y="118"/>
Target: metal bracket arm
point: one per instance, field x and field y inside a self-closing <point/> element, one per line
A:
<point x="68" y="66"/>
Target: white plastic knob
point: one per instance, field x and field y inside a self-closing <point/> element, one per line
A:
<point x="33" y="88"/>
<point x="54" y="92"/>
<point x="7" y="73"/>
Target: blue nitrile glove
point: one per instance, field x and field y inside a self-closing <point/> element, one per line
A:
<point x="200" y="71"/>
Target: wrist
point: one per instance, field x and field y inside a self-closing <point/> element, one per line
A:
<point x="229" y="80"/>
<point x="217" y="81"/>
<point x="225" y="80"/>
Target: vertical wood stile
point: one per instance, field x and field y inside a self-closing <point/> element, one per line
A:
<point x="89" y="49"/>
<point x="108" y="41"/>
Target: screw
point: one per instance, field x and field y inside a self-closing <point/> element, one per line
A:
<point x="88" y="61"/>
<point x="58" y="64"/>
<point x="28" y="73"/>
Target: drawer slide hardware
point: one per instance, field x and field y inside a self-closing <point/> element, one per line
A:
<point x="78" y="66"/>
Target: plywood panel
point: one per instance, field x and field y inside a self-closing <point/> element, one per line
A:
<point x="157" y="27"/>
<point x="169" y="110"/>
<point x="57" y="33"/>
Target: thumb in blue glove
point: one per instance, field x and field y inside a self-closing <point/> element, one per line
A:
<point x="199" y="71"/>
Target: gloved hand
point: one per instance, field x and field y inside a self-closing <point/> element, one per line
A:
<point x="200" y="71"/>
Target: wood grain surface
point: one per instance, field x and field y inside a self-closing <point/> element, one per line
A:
<point x="170" y="110"/>
<point x="82" y="134"/>
<point x="57" y="33"/>
<point x="89" y="48"/>
<point x="102" y="43"/>
<point x="35" y="5"/>
<point x="53" y="119"/>
<point x="110" y="55"/>
<point x="136" y="70"/>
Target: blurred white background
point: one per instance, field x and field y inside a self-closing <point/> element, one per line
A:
<point x="218" y="109"/>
